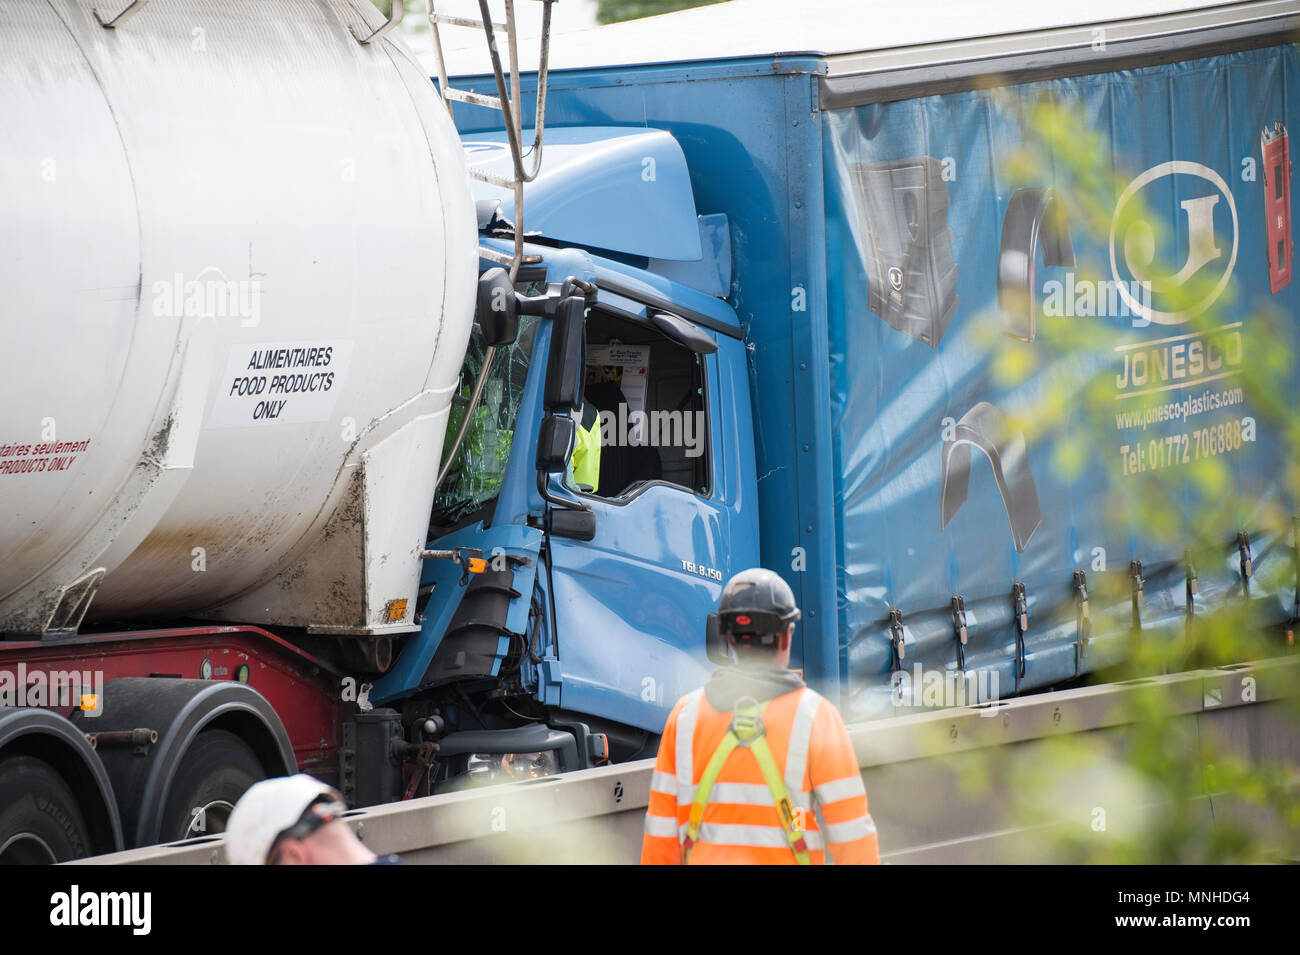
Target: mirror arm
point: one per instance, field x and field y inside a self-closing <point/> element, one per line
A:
<point x="543" y="488"/>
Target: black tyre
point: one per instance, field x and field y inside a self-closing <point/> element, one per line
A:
<point x="214" y="772"/>
<point x="40" y="819"/>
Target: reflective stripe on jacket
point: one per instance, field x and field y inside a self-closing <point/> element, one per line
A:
<point x="741" y="825"/>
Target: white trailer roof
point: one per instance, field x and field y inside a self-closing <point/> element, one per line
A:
<point x="858" y="35"/>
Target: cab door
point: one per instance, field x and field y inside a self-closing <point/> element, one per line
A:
<point x="630" y="604"/>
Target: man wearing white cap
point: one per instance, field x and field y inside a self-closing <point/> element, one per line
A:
<point x="294" y="820"/>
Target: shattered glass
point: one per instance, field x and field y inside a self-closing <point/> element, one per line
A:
<point x="475" y="477"/>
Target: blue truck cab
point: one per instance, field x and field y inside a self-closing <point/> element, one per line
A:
<point x="773" y="280"/>
<point x="603" y="617"/>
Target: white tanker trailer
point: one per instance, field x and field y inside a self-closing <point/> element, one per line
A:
<point x="239" y="258"/>
<point x="238" y="261"/>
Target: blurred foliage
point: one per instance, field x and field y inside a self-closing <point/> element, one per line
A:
<point x="1159" y="785"/>
<point x="614" y="11"/>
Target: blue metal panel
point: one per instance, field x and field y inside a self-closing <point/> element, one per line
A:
<point x="403" y="678"/>
<point x="711" y="273"/>
<point x="627" y="190"/>
<point x="649" y="284"/>
<point x="807" y="330"/>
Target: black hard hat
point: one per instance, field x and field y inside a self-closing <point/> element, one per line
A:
<point x="756" y="607"/>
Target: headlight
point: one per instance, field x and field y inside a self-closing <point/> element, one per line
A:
<point x="509" y="767"/>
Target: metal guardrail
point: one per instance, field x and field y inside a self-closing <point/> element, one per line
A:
<point x="917" y="770"/>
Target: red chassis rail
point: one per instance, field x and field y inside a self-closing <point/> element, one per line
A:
<point x="304" y="691"/>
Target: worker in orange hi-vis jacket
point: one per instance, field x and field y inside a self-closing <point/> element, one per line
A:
<point x="748" y="763"/>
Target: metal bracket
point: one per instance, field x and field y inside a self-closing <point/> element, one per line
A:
<point x="139" y="739"/>
<point x="471" y="560"/>
<point x="422" y="754"/>
<point x="588" y="290"/>
<point x="394" y="18"/>
<point x="507" y="101"/>
<point x="747" y="722"/>
<point x="1192" y="584"/>
<point x="126" y="13"/>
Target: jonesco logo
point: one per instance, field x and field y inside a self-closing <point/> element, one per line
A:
<point x="1203" y="200"/>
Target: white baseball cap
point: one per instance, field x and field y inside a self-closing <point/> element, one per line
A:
<point x="266" y="811"/>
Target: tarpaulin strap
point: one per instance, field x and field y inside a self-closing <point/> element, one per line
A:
<point x="1082" y="618"/>
<point x="1021" y="602"/>
<point x="747" y="730"/>
<point x="896" y="639"/>
<point x="1243" y="552"/>
<point x="959" y="628"/>
<point x="1189" y="629"/>
<point x="1139" y="582"/>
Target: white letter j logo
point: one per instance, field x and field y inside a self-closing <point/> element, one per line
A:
<point x="1139" y="242"/>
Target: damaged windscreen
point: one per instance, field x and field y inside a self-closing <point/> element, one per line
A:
<point x="474" y="480"/>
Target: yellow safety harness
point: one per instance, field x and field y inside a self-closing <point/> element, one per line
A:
<point x="748" y="732"/>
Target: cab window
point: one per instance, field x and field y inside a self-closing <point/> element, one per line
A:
<point x="644" y="417"/>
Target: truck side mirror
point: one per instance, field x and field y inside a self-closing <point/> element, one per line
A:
<point x="553" y="443"/>
<point x="566" y="369"/>
<point x="498" y="308"/>
<point x="715" y="644"/>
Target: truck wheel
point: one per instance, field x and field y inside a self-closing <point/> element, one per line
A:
<point x="214" y="772"/>
<point x="40" y="820"/>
